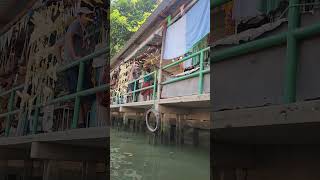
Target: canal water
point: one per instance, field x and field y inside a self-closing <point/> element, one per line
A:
<point x="134" y="158"/>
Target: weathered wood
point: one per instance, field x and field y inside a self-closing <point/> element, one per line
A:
<point x="184" y="99"/>
<point x="54" y="151"/>
<point x="3" y="169"/>
<point x="197" y="124"/>
<point x="50" y="170"/>
<point x="70" y="135"/>
<point x="301" y="112"/>
<point x="172" y="110"/>
<point x="195" y="137"/>
<point x="131" y="110"/>
<point x="27" y="171"/>
<point x="233" y="156"/>
<point x="89" y="170"/>
<point x="13" y="154"/>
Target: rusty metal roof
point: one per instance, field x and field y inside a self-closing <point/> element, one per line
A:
<point x="152" y="23"/>
<point x="12" y="10"/>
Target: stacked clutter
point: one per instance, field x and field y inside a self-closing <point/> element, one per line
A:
<point x="119" y="75"/>
<point x="29" y="56"/>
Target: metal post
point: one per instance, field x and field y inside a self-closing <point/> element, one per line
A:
<point x="169" y="20"/>
<point x="154" y="85"/>
<point x="248" y="47"/>
<point x="292" y="53"/>
<point x="134" y="91"/>
<point x="10" y="108"/>
<point x="77" y="100"/>
<point x="159" y="76"/>
<point x="200" y="88"/>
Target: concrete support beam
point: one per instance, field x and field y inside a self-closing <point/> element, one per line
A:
<point x="54" y="151"/>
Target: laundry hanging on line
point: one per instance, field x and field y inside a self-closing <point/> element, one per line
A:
<point x="188" y="30"/>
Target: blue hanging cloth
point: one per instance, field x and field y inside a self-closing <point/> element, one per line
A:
<point x="188" y="30"/>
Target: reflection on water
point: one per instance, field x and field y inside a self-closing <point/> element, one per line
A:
<point x="133" y="158"/>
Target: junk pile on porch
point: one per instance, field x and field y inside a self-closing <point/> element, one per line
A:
<point x="31" y="56"/>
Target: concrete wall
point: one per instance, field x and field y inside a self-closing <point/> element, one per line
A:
<point x="257" y="79"/>
<point x="185" y="87"/>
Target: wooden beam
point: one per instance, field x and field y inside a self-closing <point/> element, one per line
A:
<point x="131" y="110"/>
<point x="3" y="168"/>
<point x="114" y="109"/>
<point x="198" y="124"/>
<point x="141" y="104"/>
<point x="233" y="156"/>
<point x="204" y="116"/>
<point x="301" y="112"/>
<point x="89" y="169"/>
<point x="172" y="110"/>
<point x="13" y="154"/>
<point x="27" y="170"/>
<point x="55" y="151"/>
<point x="69" y="135"/>
<point x="18" y="17"/>
<point x="50" y="170"/>
<point x="184" y="99"/>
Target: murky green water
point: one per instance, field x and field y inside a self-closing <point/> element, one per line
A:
<point x="133" y="158"/>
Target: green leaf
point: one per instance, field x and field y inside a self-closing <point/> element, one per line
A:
<point x="126" y="18"/>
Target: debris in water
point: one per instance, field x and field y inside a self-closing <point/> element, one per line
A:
<point x="128" y="154"/>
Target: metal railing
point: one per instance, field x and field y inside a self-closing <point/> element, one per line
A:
<point x="292" y="37"/>
<point x="77" y="95"/>
<point x="202" y="71"/>
<point x="135" y="83"/>
<point x="199" y="73"/>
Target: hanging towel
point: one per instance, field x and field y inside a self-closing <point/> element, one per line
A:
<point x="188" y="30"/>
<point x="175" y="42"/>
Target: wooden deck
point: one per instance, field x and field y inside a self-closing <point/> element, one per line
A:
<point x="193" y="101"/>
<point x="87" y="144"/>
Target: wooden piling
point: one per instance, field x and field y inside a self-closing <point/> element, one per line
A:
<point x="195" y="137"/>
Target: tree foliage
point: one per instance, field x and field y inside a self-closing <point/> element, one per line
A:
<point x="126" y="17"/>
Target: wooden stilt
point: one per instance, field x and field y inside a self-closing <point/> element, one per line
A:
<point x="50" y="170"/>
<point x="28" y="167"/>
<point x="89" y="170"/>
<point x="195" y="137"/>
<point x="3" y="169"/>
<point x="172" y="133"/>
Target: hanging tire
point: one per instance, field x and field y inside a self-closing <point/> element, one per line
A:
<point x="156" y="114"/>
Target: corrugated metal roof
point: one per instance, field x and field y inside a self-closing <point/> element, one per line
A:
<point x="152" y="24"/>
<point x="11" y="9"/>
